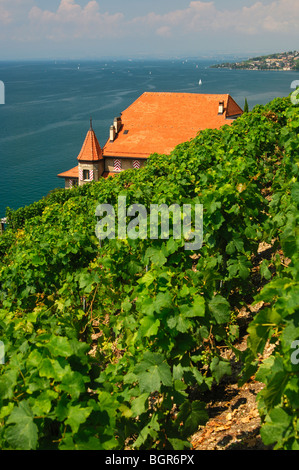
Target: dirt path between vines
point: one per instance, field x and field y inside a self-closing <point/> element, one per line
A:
<point x="234" y="422"/>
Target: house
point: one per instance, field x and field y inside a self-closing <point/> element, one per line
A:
<point x="154" y="123"/>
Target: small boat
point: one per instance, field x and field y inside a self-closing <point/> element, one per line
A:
<point x="200" y="82"/>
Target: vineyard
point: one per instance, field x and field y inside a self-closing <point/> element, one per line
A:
<point x="113" y="346"/>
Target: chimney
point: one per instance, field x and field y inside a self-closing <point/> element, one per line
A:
<point x="112" y="133"/>
<point x="117" y="124"/>
<point x="221" y="107"/>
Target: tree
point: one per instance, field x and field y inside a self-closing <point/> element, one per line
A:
<point x="246" y="108"/>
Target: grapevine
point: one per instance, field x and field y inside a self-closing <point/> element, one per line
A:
<point x="104" y="344"/>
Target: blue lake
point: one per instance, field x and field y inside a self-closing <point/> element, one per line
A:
<point x="48" y="106"/>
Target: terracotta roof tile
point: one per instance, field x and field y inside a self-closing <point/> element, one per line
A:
<point x="233" y="109"/>
<point x="91" y="150"/>
<point x="157" y="122"/>
<point x="72" y="173"/>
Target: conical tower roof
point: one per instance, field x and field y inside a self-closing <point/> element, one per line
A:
<point x="91" y="149"/>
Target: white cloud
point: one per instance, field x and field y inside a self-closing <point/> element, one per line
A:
<point x="164" y="31"/>
<point x="12" y="11"/>
<point x="201" y="16"/>
<point x="5" y="16"/>
<point x="72" y="21"/>
<point x="26" y="21"/>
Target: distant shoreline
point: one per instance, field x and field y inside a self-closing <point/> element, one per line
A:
<point x="281" y="62"/>
<point x="253" y="70"/>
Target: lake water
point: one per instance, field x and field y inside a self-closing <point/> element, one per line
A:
<point x="45" y="118"/>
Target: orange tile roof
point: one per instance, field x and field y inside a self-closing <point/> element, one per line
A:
<point x="233" y="109"/>
<point x="73" y="173"/>
<point x="91" y="150"/>
<point x="157" y="122"/>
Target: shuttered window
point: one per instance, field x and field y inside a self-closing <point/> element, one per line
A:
<point x="117" y="164"/>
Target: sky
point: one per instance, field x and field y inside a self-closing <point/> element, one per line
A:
<point x="92" y="29"/>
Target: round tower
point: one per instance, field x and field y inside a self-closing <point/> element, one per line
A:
<point x="90" y="158"/>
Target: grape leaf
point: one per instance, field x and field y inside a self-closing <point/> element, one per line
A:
<point x="23" y="434"/>
<point x="220" y="308"/>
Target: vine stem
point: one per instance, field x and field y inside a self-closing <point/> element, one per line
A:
<point x="90" y="310"/>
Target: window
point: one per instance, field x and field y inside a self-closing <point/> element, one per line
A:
<point x="117" y="165"/>
<point x="136" y="163"/>
<point x="86" y="174"/>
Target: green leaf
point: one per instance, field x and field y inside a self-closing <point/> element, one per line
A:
<point x="219" y="368"/>
<point x="172" y="246"/>
<point x="192" y="415"/>
<point x="73" y="384"/>
<point x="162" y="300"/>
<point x="59" y="346"/>
<point x="260" y="329"/>
<point x="43" y="403"/>
<point x="276" y="380"/>
<point x="290" y="334"/>
<point x="150" y="430"/>
<point x="156" y="256"/>
<point x="152" y="372"/>
<point x="23" y="434"/>
<point x="277" y="427"/>
<point x="295" y="192"/>
<point x="51" y="368"/>
<point x="179" y="444"/>
<point x="264" y="270"/>
<point x="179" y="323"/>
<point x="87" y="281"/>
<point x="184" y="292"/>
<point x="126" y="305"/>
<point x="147" y="279"/>
<point x="8" y="383"/>
<point x="77" y="415"/>
<point x="87" y="443"/>
<point x="149" y="326"/>
<point x="220" y="309"/>
<point x="241" y="266"/>
<point x="34" y="359"/>
<point x="197" y="309"/>
<point x="6" y="410"/>
<point x="139" y="404"/>
<point x="235" y="245"/>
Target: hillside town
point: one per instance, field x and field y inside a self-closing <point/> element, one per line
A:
<point x="281" y="61"/>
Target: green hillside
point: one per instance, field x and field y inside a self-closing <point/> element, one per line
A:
<point x="280" y="61"/>
<point x="114" y="346"/>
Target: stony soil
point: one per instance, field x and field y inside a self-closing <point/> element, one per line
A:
<point x="234" y="422"/>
